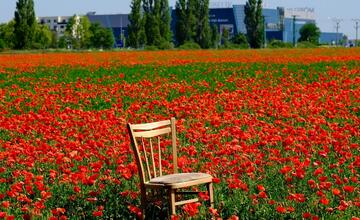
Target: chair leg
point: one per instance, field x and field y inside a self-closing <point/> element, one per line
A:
<point x="211" y="194"/>
<point x="172" y="208"/>
<point x="143" y="205"/>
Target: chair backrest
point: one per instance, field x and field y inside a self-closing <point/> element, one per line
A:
<point x="144" y="147"/>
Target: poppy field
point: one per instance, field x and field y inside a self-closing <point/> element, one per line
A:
<point x="279" y="130"/>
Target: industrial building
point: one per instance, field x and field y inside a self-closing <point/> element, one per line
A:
<point x="330" y="38"/>
<point x="280" y="23"/>
<point x="55" y="23"/>
<point x="117" y="22"/>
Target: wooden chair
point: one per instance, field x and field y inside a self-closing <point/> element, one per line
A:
<point x="151" y="169"/>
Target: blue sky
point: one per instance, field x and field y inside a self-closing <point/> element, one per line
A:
<point x="325" y="9"/>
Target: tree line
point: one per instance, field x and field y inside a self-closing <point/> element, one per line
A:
<point x="150" y="27"/>
<point x="24" y="32"/>
<point x="150" y="22"/>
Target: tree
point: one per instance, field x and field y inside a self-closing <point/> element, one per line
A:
<point x="136" y="27"/>
<point x="101" y="37"/>
<point x="165" y="20"/>
<point x="151" y="15"/>
<point x="24" y="27"/>
<point x="181" y="28"/>
<point x="203" y="34"/>
<point x="215" y="36"/>
<point x="225" y="37"/>
<point x="42" y="37"/>
<point x="7" y="34"/>
<point x="240" y="39"/>
<point x="54" y="40"/>
<point x="192" y="22"/>
<point x="309" y="32"/>
<point x="2" y="44"/>
<point x="254" y="23"/>
<point x="78" y="32"/>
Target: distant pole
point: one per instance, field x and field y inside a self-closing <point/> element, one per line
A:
<point x="337" y="26"/>
<point x="264" y="23"/>
<point x="294" y="31"/>
<point x="357" y="29"/>
<point x="121" y="31"/>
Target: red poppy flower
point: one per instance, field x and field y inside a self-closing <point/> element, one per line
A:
<point x="281" y="209"/>
<point x="349" y="189"/>
<point x="324" y="201"/>
<point x="191" y="209"/>
<point x="336" y="191"/>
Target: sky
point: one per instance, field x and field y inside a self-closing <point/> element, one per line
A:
<point x="325" y="10"/>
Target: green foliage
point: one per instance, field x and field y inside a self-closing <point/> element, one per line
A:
<point x="279" y="44"/>
<point x="157" y="22"/>
<point x="43" y="37"/>
<point x="310" y="33"/>
<point x="152" y="30"/>
<point x="78" y="32"/>
<point x="215" y="36"/>
<point x="182" y="32"/>
<point x="165" y="20"/>
<point x="101" y="37"/>
<point x="343" y="41"/>
<point x="54" y="40"/>
<point x="254" y="23"/>
<point x="203" y="32"/>
<point x="192" y="23"/>
<point x="306" y="44"/>
<point x="166" y="45"/>
<point x="151" y="48"/>
<point x="24" y="27"/>
<point x="2" y="44"/>
<point x="240" y="39"/>
<point x="62" y="42"/>
<point x="190" y="46"/>
<point x="225" y="37"/>
<point x="231" y="45"/>
<point x="136" y="31"/>
<point x="7" y="34"/>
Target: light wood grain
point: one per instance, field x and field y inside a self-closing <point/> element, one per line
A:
<point x="172" y="182"/>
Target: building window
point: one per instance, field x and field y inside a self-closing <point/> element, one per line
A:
<point x="54" y="20"/>
<point x="49" y="21"/>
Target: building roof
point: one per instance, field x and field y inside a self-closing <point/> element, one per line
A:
<point x="110" y="21"/>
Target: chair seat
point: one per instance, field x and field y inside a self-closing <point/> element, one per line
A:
<point x="182" y="179"/>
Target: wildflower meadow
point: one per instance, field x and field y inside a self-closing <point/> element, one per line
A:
<point x="277" y="129"/>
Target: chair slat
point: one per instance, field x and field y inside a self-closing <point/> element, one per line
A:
<point x="146" y="159"/>
<point x="152" y="133"/>
<point x="150" y="126"/>
<point x="173" y="140"/>
<point x="137" y="154"/>
<point x="173" y="185"/>
<point x="186" y="201"/>
<point x="160" y="168"/>
<point x="152" y="157"/>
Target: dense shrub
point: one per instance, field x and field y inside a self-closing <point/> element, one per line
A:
<point x="2" y="45"/>
<point x="235" y="46"/>
<point x="151" y="48"/>
<point x="190" y="46"/>
<point x="165" y="45"/>
<point x="279" y="44"/>
<point x="306" y="44"/>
